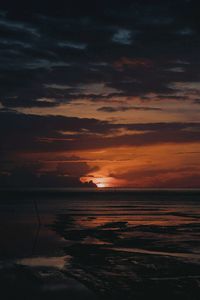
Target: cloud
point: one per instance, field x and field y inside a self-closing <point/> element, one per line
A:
<point x="85" y="44"/>
<point x="80" y="46"/>
<point x="20" y="27"/>
<point x="186" y="32"/>
<point x="22" y="102"/>
<point x="35" y="175"/>
<point x="132" y="63"/>
<point x="161" y="178"/>
<point x="34" y="133"/>
<point x="25" y="178"/>
<point x="95" y="51"/>
<point x="77" y="169"/>
<point x="122" y="36"/>
<point x="197" y="101"/>
<point x="111" y="109"/>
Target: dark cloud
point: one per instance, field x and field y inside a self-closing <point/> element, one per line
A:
<point x="73" y="43"/>
<point x="172" y="97"/>
<point x="78" y="169"/>
<point x="14" y="102"/>
<point x="35" y="133"/>
<point x="34" y="175"/>
<point x="26" y="178"/>
<point x="111" y="109"/>
<point x="197" y="101"/>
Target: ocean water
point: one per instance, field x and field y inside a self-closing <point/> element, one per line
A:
<point x="106" y="244"/>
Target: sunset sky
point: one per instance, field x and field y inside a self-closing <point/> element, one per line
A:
<point x="100" y="92"/>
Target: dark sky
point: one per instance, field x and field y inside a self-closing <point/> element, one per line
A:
<point x="99" y="92"/>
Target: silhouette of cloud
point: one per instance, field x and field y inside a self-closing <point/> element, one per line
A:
<point x="27" y="177"/>
<point x="111" y="109"/>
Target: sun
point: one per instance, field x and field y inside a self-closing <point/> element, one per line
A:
<point x="101" y="185"/>
<point x="100" y="181"/>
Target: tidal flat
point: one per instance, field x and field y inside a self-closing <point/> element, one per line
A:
<point x="100" y="245"/>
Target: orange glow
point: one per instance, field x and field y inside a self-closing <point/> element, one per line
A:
<point x="101" y="185"/>
<point x="162" y="165"/>
<point x="101" y="182"/>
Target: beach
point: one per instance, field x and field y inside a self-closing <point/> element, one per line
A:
<point x="100" y="245"/>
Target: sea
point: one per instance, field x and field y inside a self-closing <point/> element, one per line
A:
<point x="100" y="244"/>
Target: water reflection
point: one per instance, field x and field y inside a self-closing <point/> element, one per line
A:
<point x="108" y="245"/>
<point x="54" y="262"/>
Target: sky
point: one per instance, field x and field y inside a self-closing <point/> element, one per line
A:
<point x="100" y="93"/>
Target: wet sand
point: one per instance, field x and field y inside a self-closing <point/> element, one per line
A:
<point x="107" y="245"/>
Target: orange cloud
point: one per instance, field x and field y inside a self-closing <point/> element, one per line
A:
<point x="131" y="62"/>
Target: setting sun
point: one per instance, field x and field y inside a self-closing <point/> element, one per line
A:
<point x="101" y="185"/>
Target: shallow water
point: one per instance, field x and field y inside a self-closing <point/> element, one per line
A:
<point x="93" y="245"/>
